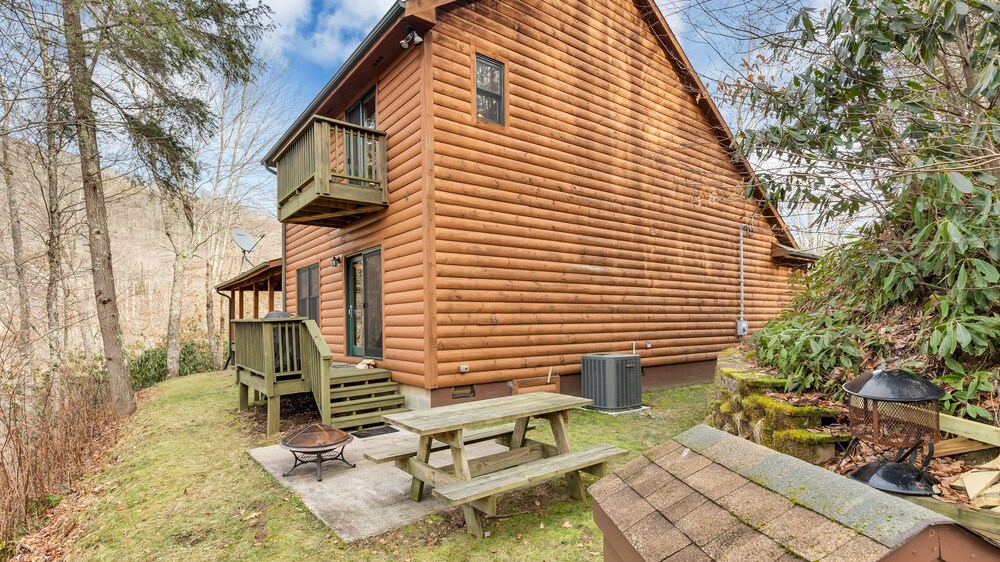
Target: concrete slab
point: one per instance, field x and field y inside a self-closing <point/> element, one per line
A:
<point x="365" y="501"/>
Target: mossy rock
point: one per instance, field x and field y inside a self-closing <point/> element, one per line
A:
<point x="779" y="415"/>
<point x="815" y="448"/>
<point x="726" y="408"/>
<point x="746" y="383"/>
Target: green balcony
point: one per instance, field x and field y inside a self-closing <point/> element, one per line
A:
<point x="331" y="174"/>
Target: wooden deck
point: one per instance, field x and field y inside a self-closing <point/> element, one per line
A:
<point x="282" y="356"/>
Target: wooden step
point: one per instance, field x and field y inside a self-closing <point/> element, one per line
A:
<point x="365" y="419"/>
<point x="399" y="452"/>
<point x="364" y="404"/>
<point x="363" y="390"/>
<point x="350" y="375"/>
<point x="527" y="474"/>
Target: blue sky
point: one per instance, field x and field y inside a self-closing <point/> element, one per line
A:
<point x="313" y="37"/>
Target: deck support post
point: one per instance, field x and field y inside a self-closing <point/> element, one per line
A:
<point x="244" y="396"/>
<point x="270" y="294"/>
<point x="256" y="301"/>
<point x="423" y="453"/>
<point x="558" y="423"/>
<point x="273" y="414"/>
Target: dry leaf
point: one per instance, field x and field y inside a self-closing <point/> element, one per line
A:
<point x="253" y="515"/>
<point x="541" y="525"/>
<point x="567" y="524"/>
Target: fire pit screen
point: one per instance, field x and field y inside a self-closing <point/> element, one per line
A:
<point x="895" y="409"/>
<point x="892" y="424"/>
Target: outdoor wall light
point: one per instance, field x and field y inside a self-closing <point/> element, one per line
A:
<point x="412" y="38"/>
<point x="335" y="261"/>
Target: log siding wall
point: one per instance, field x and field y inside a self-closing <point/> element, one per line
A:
<point x="604" y="211"/>
<point x="399" y="230"/>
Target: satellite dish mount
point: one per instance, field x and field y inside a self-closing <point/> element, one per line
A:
<point x="246" y="242"/>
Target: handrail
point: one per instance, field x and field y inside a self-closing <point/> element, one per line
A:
<point x="316" y="356"/>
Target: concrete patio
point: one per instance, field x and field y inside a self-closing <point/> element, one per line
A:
<point x="365" y="501"/>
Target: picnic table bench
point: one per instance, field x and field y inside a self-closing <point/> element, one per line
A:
<point x="474" y="483"/>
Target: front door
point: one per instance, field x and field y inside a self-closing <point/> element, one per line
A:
<point x="364" y="304"/>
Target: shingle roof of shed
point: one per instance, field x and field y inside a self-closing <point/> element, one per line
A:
<point x="708" y="495"/>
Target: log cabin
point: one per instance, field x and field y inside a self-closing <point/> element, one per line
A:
<point x="488" y="189"/>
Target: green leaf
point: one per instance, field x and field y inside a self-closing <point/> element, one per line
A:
<point x="960" y="182"/>
<point x="954" y="365"/>
<point x="962" y="335"/>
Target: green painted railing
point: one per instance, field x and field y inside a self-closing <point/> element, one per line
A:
<point x="290" y="355"/>
<point x="316" y="366"/>
<point x="332" y="159"/>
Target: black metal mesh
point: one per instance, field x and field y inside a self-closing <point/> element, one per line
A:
<point x="373" y="302"/>
<point x="893" y="424"/>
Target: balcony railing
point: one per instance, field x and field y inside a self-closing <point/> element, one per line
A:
<point x="332" y="173"/>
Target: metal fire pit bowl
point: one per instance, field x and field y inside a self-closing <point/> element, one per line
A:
<point x="310" y="443"/>
<point x="893" y="408"/>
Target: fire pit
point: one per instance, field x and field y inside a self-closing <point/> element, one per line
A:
<point x="310" y="443"/>
<point x="899" y="409"/>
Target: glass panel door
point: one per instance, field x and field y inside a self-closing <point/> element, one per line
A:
<point x="360" y="152"/>
<point x="364" y="304"/>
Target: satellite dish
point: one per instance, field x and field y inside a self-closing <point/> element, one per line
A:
<point x="246" y="242"/>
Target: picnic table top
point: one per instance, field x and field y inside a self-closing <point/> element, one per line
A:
<point x="494" y="410"/>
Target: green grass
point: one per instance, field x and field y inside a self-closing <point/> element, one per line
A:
<point x="180" y="486"/>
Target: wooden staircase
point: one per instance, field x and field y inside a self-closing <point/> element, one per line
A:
<point x="360" y="397"/>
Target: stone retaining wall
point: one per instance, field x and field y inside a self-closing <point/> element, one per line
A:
<point x="740" y="406"/>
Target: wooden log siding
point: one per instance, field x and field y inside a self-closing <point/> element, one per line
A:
<point x="605" y="211"/>
<point x="399" y="230"/>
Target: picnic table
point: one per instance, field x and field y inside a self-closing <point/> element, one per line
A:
<point x="474" y="483"/>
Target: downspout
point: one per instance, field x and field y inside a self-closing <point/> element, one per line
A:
<point x="741" y="325"/>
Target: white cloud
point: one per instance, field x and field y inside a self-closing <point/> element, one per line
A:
<point x="324" y="32"/>
<point x="673" y="12"/>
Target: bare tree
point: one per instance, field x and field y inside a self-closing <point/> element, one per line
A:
<point x="8" y="98"/>
<point x="249" y="115"/>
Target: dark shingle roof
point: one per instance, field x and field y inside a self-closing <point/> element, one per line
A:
<point x="708" y="495"/>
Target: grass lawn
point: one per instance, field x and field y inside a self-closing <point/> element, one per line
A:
<point x="180" y="486"/>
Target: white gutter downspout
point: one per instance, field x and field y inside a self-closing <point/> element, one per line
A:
<point x="742" y="329"/>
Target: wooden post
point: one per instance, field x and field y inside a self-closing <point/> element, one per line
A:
<point x="423" y="453"/>
<point x="270" y="294"/>
<point x="232" y="316"/>
<point x="273" y="414"/>
<point x="244" y="396"/>
<point x="558" y="423"/>
<point x="241" y="304"/>
<point x="256" y="301"/>
<point x="473" y="522"/>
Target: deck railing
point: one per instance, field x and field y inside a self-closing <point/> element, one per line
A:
<point x="285" y="350"/>
<point x="316" y="366"/>
<point x="335" y="159"/>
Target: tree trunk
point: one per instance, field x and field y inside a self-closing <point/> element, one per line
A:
<point x="53" y="245"/>
<point x="213" y="340"/>
<point x="174" y="317"/>
<point x="105" y="298"/>
<point x="17" y="247"/>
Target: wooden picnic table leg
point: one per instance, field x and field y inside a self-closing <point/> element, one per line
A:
<point x="423" y="454"/>
<point x="558" y="422"/>
<point x="520" y="428"/>
<point x="473" y="521"/>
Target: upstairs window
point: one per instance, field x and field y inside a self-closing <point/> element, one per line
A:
<point x="489" y="90"/>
